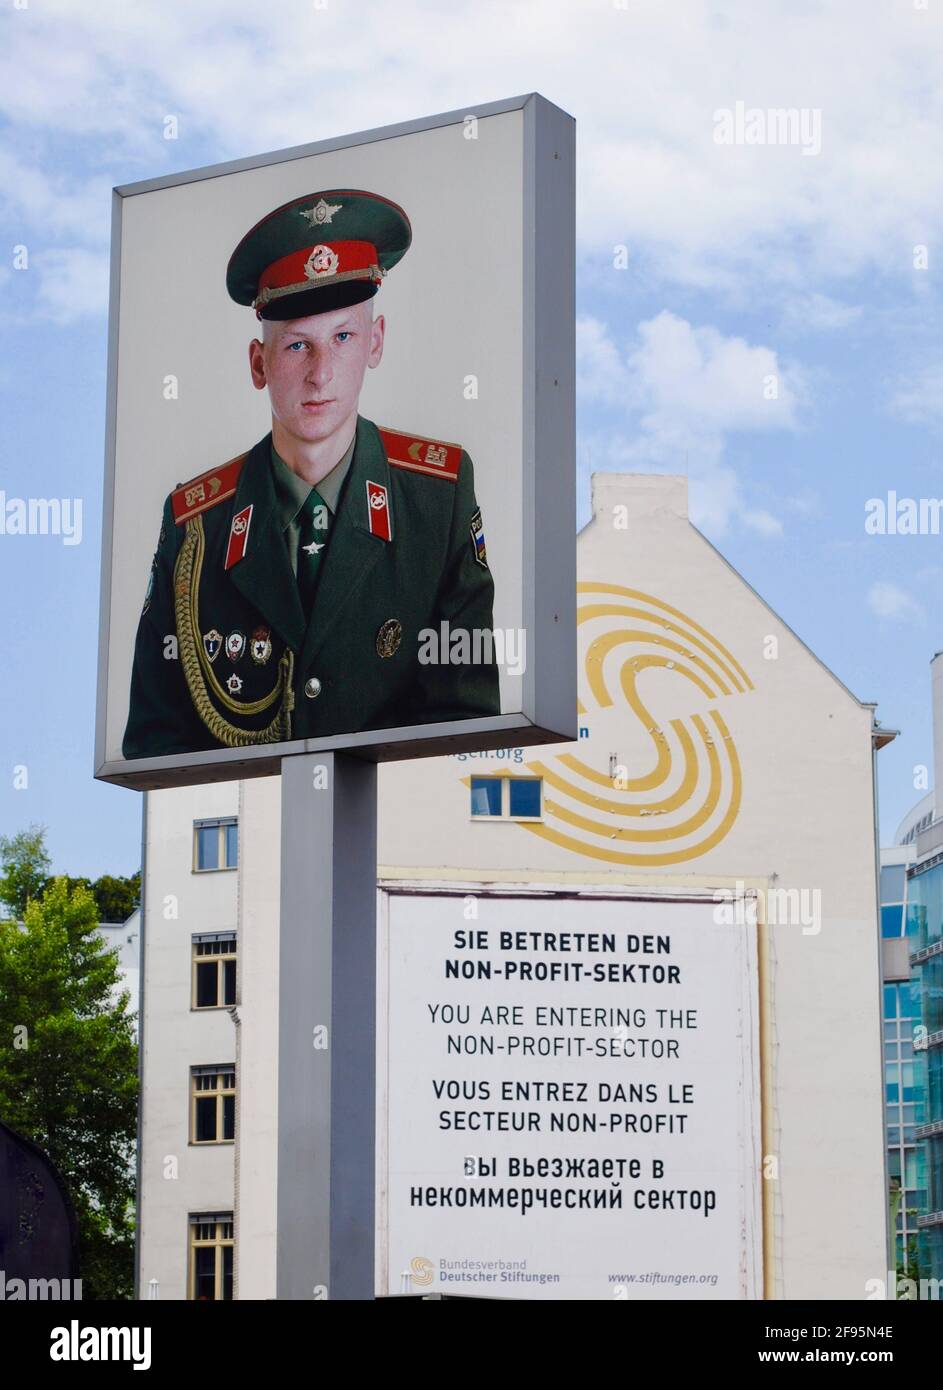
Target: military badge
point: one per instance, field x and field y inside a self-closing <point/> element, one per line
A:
<point x="389" y="637"/>
<point x="322" y="261"/>
<point x="238" y="536"/>
<point x="378" y="510"/>
<point x="234" y="684"/>
<point x="212" y="643"/>
<point x="321" y="213"/>
<point x="260" y="645"/>
<point x="477" y="530"/>
<point x="235" y="645"/>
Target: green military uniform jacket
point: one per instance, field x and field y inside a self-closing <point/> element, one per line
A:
<point x="225" y="655"/>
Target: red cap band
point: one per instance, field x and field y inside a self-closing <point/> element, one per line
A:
<point x="324" y="261"/>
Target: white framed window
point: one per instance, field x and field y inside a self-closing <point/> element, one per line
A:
<point x="505" y="797"/>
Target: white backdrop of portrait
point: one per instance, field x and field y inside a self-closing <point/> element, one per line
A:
<point x="454" y="312"/>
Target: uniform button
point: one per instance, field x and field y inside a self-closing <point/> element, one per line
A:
<point x="312" y="688"/>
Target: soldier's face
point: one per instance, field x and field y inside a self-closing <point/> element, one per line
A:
<point x="314" y="367"/>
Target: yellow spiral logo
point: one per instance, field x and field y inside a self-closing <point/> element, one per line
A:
<point x="421" y="1270"/>
<point x="684" y="791"/>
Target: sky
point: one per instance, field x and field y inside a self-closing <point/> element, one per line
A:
<point x="756" y="308"/>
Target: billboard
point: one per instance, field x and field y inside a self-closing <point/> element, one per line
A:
<point x="339" y="503"/>
<point x="570" y="1095"/>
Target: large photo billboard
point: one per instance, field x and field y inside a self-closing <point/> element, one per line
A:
<point x="339" y="499"/>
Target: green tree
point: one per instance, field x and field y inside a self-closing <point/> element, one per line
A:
<point x="68" y="1070"/>
<point x="26" y="866"/>
<point x="116" y="897"/>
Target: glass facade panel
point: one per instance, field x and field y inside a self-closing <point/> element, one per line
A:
<point x="892" y="920"/>
<point x="892" y="883"/>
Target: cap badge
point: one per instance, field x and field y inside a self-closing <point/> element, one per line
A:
<point x="322" y="261"/>
<point x="321" y="213"/>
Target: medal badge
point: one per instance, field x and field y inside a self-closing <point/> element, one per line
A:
<point x="260" y="645"/>
<point x="212" y="643"/>
<point x="235" y="645"/>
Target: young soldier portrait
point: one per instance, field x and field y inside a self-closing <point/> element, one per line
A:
<point x="290" y="585"/>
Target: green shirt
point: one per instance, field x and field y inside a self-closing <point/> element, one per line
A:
<point x="292" y="491"/>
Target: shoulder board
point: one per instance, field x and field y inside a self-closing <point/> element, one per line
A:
<point x="204" y="491"/>
<point x="420" y="455"/>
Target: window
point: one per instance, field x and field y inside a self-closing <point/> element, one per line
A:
<point x="507" y="798"/>
<point x="212" y="1104"/>
<point x="215" y="844"/>
<point x="211" y="1256"/>
<point x="892" y="919"/>
<point x="892" y="883"/>
<point x="524" y="793"/>
<point x="214" y="971"/>
<point x="486" y="796"/>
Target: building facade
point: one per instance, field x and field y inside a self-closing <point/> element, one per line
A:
<point x="715" y="752"/>
<point x="921" y="832"/>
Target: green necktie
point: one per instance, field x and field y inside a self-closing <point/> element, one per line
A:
<point x="315" y="519"/>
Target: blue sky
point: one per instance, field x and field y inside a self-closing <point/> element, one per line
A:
<point x="742" y="262"/>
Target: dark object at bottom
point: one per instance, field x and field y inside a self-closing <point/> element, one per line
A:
<point x="38" y="1231"/>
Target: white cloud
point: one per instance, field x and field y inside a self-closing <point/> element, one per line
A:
<point x="891" y="601"/>
<point x="685" y="389"/>
<point x="818" y="312"/>
<point x="73" y="282"/>
<point x="919" y="399"/>
<point x="745" y="219"/>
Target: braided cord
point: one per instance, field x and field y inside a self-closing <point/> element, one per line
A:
<point x="195" y="664"/>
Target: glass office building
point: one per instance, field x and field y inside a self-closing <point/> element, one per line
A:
<point x="925" y="931"/>
<point x="904" y="1098"/>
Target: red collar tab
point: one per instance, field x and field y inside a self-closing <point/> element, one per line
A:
<point x="378" y="510"/>
<point x="238" y="536"/>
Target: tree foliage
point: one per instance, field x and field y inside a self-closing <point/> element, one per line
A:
<point x="25" y="864"/>
<point x="68" y="1067"/>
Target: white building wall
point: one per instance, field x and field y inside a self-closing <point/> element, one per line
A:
<point x="793" y="798"/>
<point x="805" y="821"/>
<point x="178" y="1178"/>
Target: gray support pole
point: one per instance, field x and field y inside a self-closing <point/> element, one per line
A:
<point x="327" y="1029"/>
